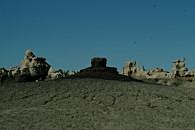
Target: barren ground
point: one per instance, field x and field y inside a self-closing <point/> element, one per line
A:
<point x="95" y="104"/>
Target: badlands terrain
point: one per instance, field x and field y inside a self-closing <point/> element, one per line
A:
<point x="96" y="104"/>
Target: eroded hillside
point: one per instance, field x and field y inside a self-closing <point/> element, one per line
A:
<point x="80" y="104"/>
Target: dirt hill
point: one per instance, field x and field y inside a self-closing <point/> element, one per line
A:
<point x="95" y="104"/>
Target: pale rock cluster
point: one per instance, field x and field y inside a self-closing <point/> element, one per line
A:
<point x="178" y="71"/>
<point x="32" y="68"/>
<point x="133" y="70"/>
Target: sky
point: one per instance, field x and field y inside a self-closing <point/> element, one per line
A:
<point x="70" y="32"/>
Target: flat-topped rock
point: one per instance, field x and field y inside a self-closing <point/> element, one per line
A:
<point x="98" y="62"/>
<point x="98" y="69"/>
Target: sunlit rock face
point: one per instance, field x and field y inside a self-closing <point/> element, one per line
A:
<point x="31" y="68"/>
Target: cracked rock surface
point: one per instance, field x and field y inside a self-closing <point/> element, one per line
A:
<point x="95" y="104"/>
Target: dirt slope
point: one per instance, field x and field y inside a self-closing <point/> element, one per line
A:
<point x="95" y="104"/>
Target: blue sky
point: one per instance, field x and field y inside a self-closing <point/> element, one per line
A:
<point x="70" y="32"/>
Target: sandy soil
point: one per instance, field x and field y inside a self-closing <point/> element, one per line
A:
<point x="95" y="104"/>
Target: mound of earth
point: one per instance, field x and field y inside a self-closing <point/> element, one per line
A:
<point x="96" y="104"/>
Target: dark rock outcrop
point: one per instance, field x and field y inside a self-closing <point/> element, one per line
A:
<point x="99" y="69"/>
<point x="98" y="62"/>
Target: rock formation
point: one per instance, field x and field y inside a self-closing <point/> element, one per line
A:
<point x="179" y="68"/>
<point x="98" y="65"/>
<point x="131" y="69"/>
<point x="179" y="72"/>
<point x="99" y="69"/>
<point x="31" y="68"/>
<point x="3" y="75"/>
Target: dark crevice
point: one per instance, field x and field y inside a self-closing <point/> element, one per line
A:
<point x="49" y="100"/>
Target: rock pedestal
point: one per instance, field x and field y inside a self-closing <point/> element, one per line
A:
<point x="99" y="69"/>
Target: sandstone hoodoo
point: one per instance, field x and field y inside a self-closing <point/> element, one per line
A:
<point x="32" y="68"/>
